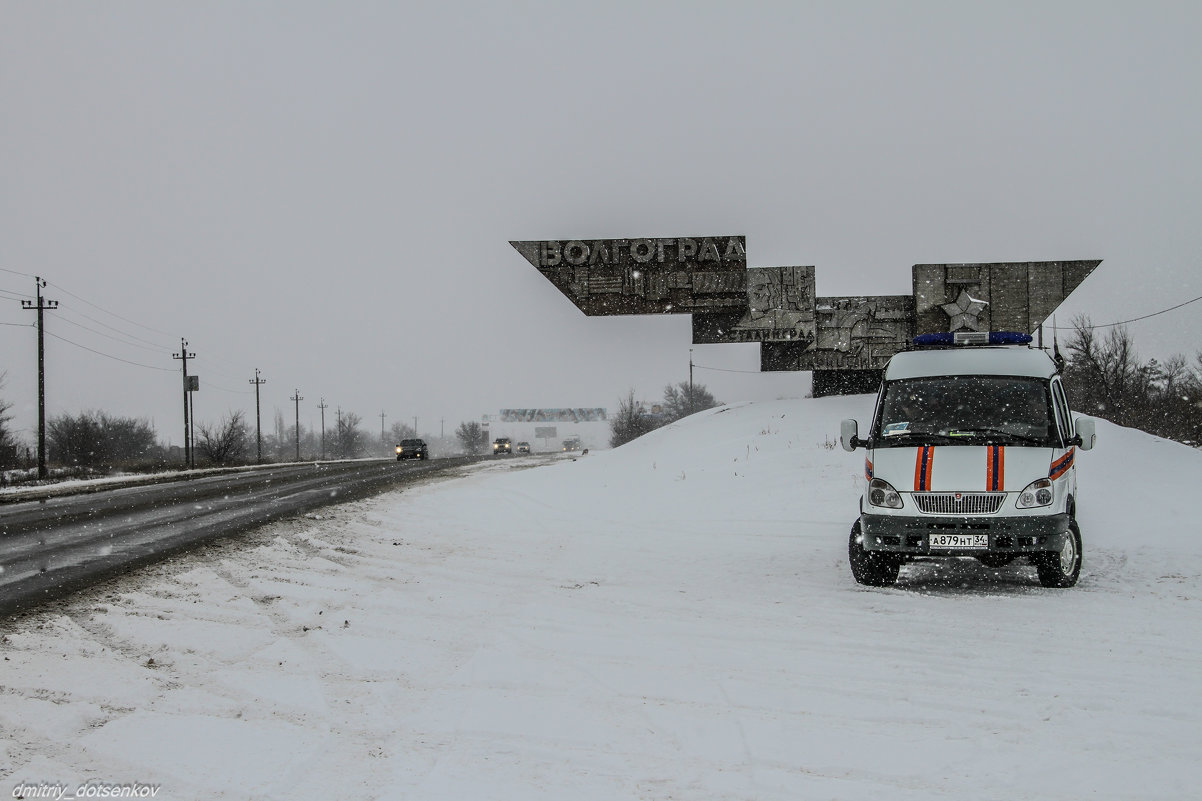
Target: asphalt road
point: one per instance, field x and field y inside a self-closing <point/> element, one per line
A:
<point x="56" y="545"/>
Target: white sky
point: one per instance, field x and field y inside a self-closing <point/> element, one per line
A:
<point x="326" y="191"/>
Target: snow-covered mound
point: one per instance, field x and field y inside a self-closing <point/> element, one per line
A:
<point x="671" y="619"/>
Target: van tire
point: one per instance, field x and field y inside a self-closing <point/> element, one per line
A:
<point x="1062" y="568"/>
<point x="872" y="569"/>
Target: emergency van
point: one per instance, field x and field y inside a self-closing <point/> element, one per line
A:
<point x="971" y="453"/>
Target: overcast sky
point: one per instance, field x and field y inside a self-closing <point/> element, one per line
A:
<point x="326" y="191"/>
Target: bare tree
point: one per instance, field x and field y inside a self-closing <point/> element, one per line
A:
<point x="396" y="433"/>
<point x="1105" y="377"/>
<point x="400" y="431"/>
<point x="1106" y="372"/>
<point x="471" y="437"/>
<point x="225" y="442"/>
<point x="8" y="441"/>
<point x="93" y="439"/>
<point x="683" y="399"/>
<point x="630" y="422"/>
<point x="349" y="439"/>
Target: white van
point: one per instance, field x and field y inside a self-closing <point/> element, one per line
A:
<point x="971" y="453"/>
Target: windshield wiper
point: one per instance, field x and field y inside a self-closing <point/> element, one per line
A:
<point x="924" y="437"/>
<point x="996" y="433"/>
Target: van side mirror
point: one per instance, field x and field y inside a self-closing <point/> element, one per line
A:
<point x="849" y="435"/>
<point x="1087" y="436"/>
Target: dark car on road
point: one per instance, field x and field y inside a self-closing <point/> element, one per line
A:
<point x="502" y="445"/>
<point x="412" y="449"/>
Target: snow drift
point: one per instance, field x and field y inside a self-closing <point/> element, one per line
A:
<point x="671" y="619"/>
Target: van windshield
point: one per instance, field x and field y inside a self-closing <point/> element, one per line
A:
<point x="965" y="410"/>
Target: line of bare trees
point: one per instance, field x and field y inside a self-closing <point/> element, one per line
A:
<point x="96" y="440"/>
<point x="634" y="419"/>
<point x="1105" y="377"/>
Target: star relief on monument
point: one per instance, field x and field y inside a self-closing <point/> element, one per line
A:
<point x="965" y="312"/>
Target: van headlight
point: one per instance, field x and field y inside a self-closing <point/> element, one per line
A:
<point x="881" y="493"/>
<point x="1038" y="493"/>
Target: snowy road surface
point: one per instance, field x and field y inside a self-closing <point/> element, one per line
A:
<point x="56" y="544"/>
<point x="670" y="620"/>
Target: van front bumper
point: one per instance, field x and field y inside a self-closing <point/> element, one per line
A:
<point x="1002" y="535"/>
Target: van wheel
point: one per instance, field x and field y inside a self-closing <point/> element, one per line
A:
<point x="1061" y="568"/>
<point x="873" y="569"/>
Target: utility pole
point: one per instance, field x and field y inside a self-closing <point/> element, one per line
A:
<point x="442" y="428"/>
<point x="296" y="398"/>
<point x="415" y="425"/>
<point x="41" y="306"/>
<point x="258" y="419"/>
<point x="184" y="355"/>
<point x="690" y="380"/>
<point x="193" y="385"/>
<point x="323" y="408"/>
<point x="381" y="425"/>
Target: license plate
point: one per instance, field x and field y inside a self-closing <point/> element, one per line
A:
<point x="959" y="541"/>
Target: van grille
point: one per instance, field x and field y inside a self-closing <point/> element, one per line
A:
<point x="964" y="503"/>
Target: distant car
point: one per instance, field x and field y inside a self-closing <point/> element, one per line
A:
<point x="412" y="449"/>
<point x="502" y="445"/>
<point x="571" y="444"/>
<point x="524" y="448"/>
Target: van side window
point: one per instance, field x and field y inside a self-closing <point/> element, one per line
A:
<point x="1063" y="420"/>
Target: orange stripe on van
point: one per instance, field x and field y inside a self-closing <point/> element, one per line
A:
<point x="1062" y="465"/>
<point x="995" y="468"/>
<point x="924" y="463"/>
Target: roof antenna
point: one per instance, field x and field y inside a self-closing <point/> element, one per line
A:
<point x="1056" y="357"/>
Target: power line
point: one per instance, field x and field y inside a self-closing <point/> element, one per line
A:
<point x="208" y="363"/>
<point x="106" y="311"/>
<point x="120" y="336"/>
<point x="725" y="370"/>
<point x="1132" y="320"/>
<point x="108" y="355"/>
<point x="155" y="345"/>
<point x="148" y="345"/>
<point x="210" y="385"/>
<point x="88" y="317"/>
<point x="110" y="336"/>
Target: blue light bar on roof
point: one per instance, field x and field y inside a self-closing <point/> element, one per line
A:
<point x="973" y="338"/>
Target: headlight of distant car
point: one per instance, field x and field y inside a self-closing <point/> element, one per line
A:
<point x="881" y="493"/>
<point x="399" y="449"/>
<point x="1038" y="493"/>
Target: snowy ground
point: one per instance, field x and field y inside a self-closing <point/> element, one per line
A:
<point x="670" y="620"/>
